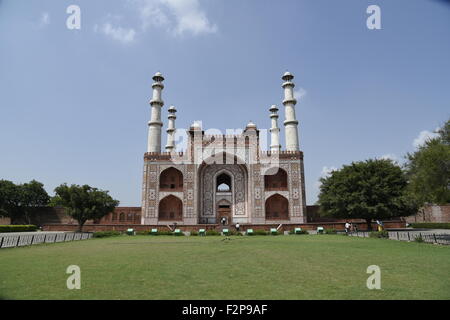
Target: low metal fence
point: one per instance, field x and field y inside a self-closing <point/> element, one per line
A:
<point x="362" y="234"/>
<point x="429" y="237"/>
<point x="23" y="239"/>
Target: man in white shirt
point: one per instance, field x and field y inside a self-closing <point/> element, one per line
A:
<point x="347" y="227"/>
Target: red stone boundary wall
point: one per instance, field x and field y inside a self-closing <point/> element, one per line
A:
<point x="285" y="227"/>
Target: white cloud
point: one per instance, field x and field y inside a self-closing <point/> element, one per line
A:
<point x="389" y="156"/>
<point x="423" y="137"/>
<point x="117" y="33"/>
<point x="300" y="93"/>
<point x="44" y="19"/>
<point x="326" y="171"/>
<point x="176" y="16"/>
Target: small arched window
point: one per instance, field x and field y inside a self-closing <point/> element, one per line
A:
<point x="171" y="180"/>
<point x="277" y="181"/>
<point x="223" y="183"/>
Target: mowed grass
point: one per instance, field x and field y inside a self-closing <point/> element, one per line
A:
<point x="259" y="267"/>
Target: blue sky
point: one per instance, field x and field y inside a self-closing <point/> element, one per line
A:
<point x="74" y="103"/>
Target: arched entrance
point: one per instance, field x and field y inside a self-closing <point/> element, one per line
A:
<point x="170" y="209"/>
<point x="223" y="192"/>
<point x="224" y="212"/>
<point x="277" y="208"/>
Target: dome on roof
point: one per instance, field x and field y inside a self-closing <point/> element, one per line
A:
<point x="158" y="77"/>
<point x="196" y="125"/>
<point x="251" y="125"/>
<point x="287" y="76"/>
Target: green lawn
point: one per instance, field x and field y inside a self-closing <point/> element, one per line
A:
<point x="258" y="267"/>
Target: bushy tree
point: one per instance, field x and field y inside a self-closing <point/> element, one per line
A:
<point x="9" y="198"/>
<point x="372" y="189"/>
<point x="428" y="169"/>
<point x="84" y="202"/>
<point x="18" y="201"/>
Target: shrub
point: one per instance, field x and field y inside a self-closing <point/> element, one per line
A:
<point x="234" y="233"/>
<point x="194" y="233"/>
<point x="330" y="231"/>
<point x="301" y="232"/>
<point x="104" y="234"/>
<point x="260" y="233"/>
<point x="419" y="239"/>
<point x="142" y="233"/>
<point x="164" y="233"/>
<point x="18" y="228"/>
<point x="379" y="234"/>
<point x="212" y="233"/>
<point x="431" y="225"/>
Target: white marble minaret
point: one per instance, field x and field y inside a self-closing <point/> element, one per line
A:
<point x="171" y="129"/>
<point x="290" y="122"/>
<point x="155" y="124"/>
<point x="274" y="130"/>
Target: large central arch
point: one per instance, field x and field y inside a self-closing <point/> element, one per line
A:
<point x="210" y="177"/>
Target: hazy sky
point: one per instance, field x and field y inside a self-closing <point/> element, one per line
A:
<point x="74" y="103"/>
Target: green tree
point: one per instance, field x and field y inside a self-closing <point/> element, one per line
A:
<point x="9" y="199"/>
<point x="428" y="169"/>
<point x="372" y="189"/>
<point x="19" y="201"/>
<point x="84" y="202"/>
<point x="444" y="133"/>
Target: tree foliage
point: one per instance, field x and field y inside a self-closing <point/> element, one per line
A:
<point x="84" y="202"/>
<point x="372" y="189"/>
<point x="18" y="201"/>
<point x="428" y="169"/>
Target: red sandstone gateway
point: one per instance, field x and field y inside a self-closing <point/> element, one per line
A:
<point x="223" y="177"/>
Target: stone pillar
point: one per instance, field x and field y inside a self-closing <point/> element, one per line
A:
<point x="290" y="123"/>
<point x="171" y="129"/>
<point x="155" y="124"/>
<point x="274" y="130"/>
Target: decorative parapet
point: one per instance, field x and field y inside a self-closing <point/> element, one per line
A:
<point x="163" y="156"/>
<point x="293" y="155"/>
<point x="263" y="156"/>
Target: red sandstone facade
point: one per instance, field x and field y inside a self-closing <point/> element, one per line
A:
<point x="223" y="177"/>
<point x="122" y="216"/>
<point x="436" y="214"/>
